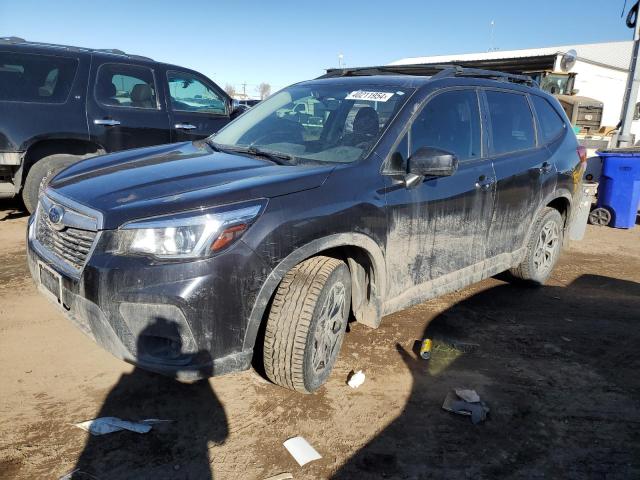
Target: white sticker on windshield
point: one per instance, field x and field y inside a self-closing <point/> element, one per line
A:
<point x="371" y="96"/>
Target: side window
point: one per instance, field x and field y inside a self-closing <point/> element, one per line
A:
<point x="511" y="122"/>
<point x="551" y="125"/>
<point x="126" y="86"/>
<point x="398" y="161"/>
<point x="36" y="78"/>
<point x="188" y="94"/>
<point x="451" y="122"/>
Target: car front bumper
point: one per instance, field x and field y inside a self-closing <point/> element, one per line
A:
<point x="186" y="320"/>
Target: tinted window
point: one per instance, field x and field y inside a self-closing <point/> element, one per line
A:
<point x="188" y="94"/>
<point x="511" y="122"/>
<point x="36" y="78"/>
<point x="451" y="122"/>
<point x="327" y="122"/>
<point x="126" y="86"/>
<point x="551" y="125"/>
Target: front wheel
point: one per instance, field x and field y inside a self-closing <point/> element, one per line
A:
<point x="307" y="323"/>
<point x="543" y="248"/>
<point x="40" y="175"/>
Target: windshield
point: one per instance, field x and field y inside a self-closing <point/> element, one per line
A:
<point x="324" y="122"/>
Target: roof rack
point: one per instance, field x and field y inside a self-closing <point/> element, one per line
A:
<point x="433" y="71"/>
<point x="110" y="51"/>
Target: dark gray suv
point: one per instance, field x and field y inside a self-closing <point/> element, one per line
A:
<point x="261" y="242"/>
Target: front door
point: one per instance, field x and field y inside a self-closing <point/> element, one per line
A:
<point x="124" y="108"/>
<point x="439" y="227"/>
<point x="521" y="166"/>
<point x="196" y="106"/>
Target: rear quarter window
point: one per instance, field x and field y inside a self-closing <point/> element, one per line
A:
<point x="33" y="78"/>
<point x="511" y="122"/>
<point x="551" y="124"/>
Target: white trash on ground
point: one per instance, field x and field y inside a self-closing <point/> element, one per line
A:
<point x="301" y="450"/>
<point x="104" y="425"/>
<point x="355" y="379"/>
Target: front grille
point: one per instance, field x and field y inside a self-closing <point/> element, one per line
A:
<point x="70" y="244"/>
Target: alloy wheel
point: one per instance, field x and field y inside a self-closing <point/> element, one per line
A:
<point x="547" y="247"/>
<point x="329" y="328"/>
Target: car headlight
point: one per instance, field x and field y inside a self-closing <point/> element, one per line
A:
<point x="193" y="234"/>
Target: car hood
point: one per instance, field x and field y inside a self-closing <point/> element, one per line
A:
<point x="165" y="179"/>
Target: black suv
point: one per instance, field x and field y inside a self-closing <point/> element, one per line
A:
<point x="60" y="104"/>
<point x="270" y="235"/>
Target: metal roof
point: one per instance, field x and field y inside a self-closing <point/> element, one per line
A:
<point x="613" y="54"/>
<point x="104" y="51"/>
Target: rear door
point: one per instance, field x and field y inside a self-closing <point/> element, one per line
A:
<point x="41" y="96"/>
<point x="197" y="107"/>
<point x="440" y="226"/>
<point x="125" y="108"/>
<point x="521" y="165"/>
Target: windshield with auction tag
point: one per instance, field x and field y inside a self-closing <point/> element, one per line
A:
<point x="328" y="123"/>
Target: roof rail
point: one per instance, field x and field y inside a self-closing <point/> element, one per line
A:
<point x="12" y="40"/>
<point x="115" y="51"/>
<point x="433" y="71"/>
<point x="111" y="51"/>
<point x="426" y="70"/>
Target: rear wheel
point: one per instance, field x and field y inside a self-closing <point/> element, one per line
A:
<point x="543" y="248"/>
<point x="307" y="323"/>
<point x="40" y="175"/>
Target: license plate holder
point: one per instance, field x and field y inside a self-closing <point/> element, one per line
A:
<point x="51" y="281"/>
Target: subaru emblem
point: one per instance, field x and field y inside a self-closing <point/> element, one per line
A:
<point x="56" y="213"/>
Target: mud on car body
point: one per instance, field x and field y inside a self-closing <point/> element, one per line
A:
<point x="261" y="242"/>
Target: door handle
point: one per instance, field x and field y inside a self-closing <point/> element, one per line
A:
<point x="545" y="168"/>
<point x="106" y="121"/>
<point x="184" y="126"/>
<point x="484" y="183"/>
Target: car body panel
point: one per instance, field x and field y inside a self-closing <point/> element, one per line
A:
<point x="177" y="177"/>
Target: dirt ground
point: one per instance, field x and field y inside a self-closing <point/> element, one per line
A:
<point x="558" y="367"/>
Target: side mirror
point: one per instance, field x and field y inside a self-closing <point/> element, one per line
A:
<point x="237" y="109"/>
<point x="429" y="161"/>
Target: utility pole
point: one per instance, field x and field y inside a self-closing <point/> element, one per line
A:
<point x="244" y="89"/>
<point x="631" y="91"/>
<point x="492" y="35"/>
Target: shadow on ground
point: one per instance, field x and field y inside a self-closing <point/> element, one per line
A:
<point x="174" y="450"/>
<point x="557" y="365"/>
<point x="12" y="209"/>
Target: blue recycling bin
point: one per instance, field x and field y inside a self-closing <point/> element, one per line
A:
<point x="619" y="190"/>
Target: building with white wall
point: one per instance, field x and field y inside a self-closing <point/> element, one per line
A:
<point x="600" y="69"/>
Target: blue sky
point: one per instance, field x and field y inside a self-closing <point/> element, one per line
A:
<point x="287" y="41"/>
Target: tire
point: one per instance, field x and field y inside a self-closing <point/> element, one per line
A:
<point x="39" y="176"/>
<point x="310" y="293"/>
<point x="543" y="248"/>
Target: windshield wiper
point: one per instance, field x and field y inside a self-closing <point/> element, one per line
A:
<point x="277" y="157"/>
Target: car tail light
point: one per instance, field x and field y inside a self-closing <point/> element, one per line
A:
<point x="582" y="154"/>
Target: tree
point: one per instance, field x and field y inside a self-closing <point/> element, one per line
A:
<point x="230" y="89"/>
<point x="264" y="89"/>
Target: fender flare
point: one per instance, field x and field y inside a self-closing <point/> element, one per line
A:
<point x="560" y="193"/>
<point x="302" y="253"/>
